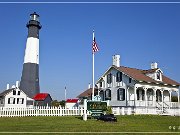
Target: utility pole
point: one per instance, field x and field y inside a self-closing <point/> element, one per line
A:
<point x="65" y="93"/>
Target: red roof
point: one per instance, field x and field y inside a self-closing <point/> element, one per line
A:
<point x="40" y="96"/>
<point x="140" y="75"/>
<point x="71" y="100"/>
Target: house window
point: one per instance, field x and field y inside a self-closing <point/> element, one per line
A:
<point x="130" y="80"/>
<point x="14" y="92"/>
<point x="21" y="101"/>
<point x="118" y="76"/>
<point x="18" y="92"/>
<point x="121" y="94"/>
<point x="29" y="102"/>
<point x="149" y="95"/>
<point x="109" y="78"/>
<point x="101" y="94"/>
<point x="1" y="101"/>
<point x="158" y="75"/>
<point x="100" y="84"/>
<point x="11" y="100"/>
<point x="108" y="94"/>
<point x="140" y="95"/>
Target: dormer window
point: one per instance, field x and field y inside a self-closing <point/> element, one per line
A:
<point x="14" y="92"/>
<point x="158" y="75"/>
<point x="18" y="92"/>
<point x="100" y="84"/>
<point x="118" y="76"/>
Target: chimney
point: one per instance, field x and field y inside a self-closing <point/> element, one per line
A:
<point x="7" y="86"/>
<point x="154" y="65"/>
<point x="17" y="84"/>
<point x="116" y="60"/>
<point x="89" y="86"/>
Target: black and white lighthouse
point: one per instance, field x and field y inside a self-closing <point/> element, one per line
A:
<point x="30" y="74"/>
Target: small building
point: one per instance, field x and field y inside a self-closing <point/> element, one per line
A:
<point x="70" y="103"/>
<point x="15" y="98"/>
<point x="87" y="94"/>
<point x="42" y="99"/>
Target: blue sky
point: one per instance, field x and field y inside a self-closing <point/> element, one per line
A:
<point x="140" y="33"/>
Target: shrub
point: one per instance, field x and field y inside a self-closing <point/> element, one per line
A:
<point x="109" y="110"/>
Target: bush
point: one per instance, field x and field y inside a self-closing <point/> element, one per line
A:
<point x="109" y="110"/>
<point x="174" y="99"/>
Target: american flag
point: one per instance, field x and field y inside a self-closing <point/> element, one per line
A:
<point x="94" y="46"/>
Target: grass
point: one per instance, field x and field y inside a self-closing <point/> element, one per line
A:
<point x="138" y="123"/>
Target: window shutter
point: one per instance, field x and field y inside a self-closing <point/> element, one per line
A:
<point x="22" y="100"/>
<point x="14" y="101"/>
<point x="123" y="94"/>
<point x="118" y="94"/>
<point x="8" y="100"/>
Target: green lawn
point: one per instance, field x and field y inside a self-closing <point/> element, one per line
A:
<point x="138" y="123"/>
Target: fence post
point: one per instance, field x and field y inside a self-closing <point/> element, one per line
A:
<point x="122" y="111"/>
<point x="85" y="110"/>
<point x="129" y="111"/>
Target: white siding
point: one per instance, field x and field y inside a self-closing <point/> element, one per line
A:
<point x="21" y="96"/>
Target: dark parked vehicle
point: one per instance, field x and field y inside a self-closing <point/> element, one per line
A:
<point x="107" y="117"/>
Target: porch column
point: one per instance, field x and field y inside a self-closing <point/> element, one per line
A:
<point x="178" y="95"/>
<point x="135" y="96"/>
<point x="170" y="96"/>
<point x="145" y="95"/>
<point x="127" y="96"/>
<point x="162" y="98"/>
<point x="154" y="97"/>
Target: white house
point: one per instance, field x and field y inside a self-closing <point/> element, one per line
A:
<point x="15" y="98"/>
<point x="136" y="88"/>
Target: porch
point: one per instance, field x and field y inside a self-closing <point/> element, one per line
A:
<point x="144" y="96"/>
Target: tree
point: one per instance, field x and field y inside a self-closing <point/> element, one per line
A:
<point x="55" y="103"/>
<point x="62" y="103"/>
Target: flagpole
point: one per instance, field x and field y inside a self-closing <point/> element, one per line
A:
<point x="93" y="72"/>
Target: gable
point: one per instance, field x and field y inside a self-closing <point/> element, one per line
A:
<point x="9" y="91"/>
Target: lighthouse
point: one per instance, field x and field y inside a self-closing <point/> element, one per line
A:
<point x="30" y="75"/>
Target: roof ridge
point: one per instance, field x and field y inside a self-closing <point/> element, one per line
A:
<point x="131" y="68"/>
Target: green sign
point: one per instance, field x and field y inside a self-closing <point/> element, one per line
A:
<point x="96" y="106"/>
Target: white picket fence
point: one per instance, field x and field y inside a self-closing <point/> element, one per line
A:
<point x="41" y="111"/>
<point x="60" y="111"/>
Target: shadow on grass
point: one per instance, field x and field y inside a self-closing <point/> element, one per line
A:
<point x="81" y="117"/>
